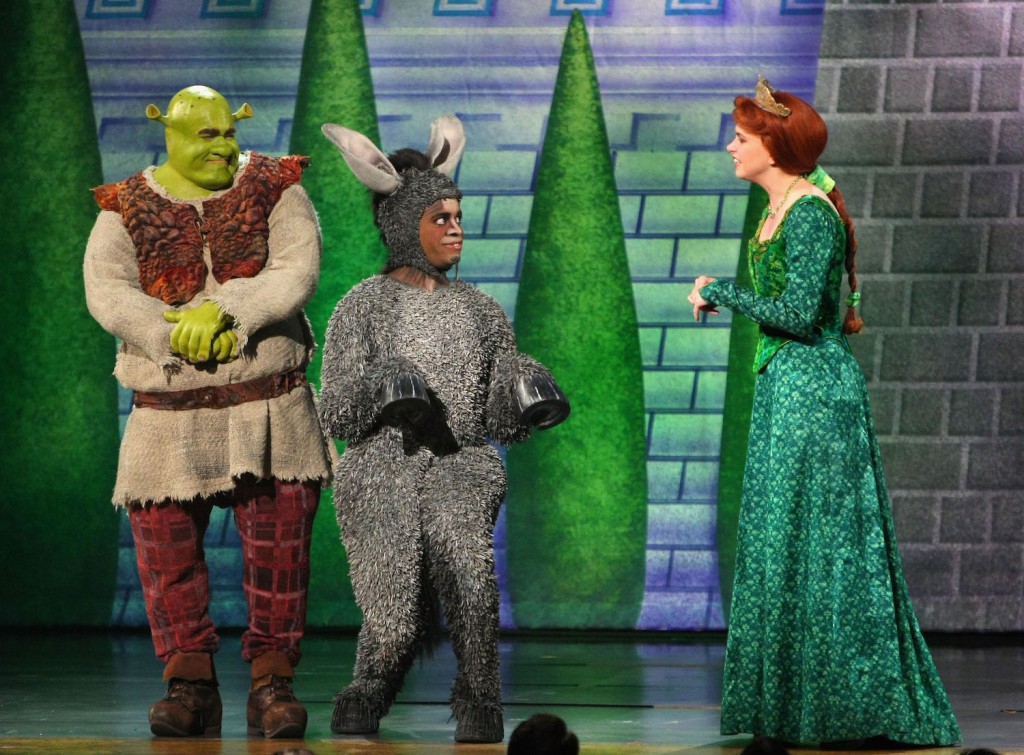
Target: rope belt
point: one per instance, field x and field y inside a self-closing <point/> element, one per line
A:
<point x="222" y="396"/>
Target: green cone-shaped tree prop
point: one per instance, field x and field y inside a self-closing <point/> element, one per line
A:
<point x="59" y="416"/>
<point x="739" y="398"/>
<point x="577" y="503"/>
<point x="335" y="87"/>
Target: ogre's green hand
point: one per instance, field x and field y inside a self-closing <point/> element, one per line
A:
<point x="196" y="330"/>
<point x="225" y="348"/>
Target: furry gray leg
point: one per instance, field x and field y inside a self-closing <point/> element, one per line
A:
<point x="355" y="713"/>
<point x="462" y="494"/>
<point x="375" y="495"/>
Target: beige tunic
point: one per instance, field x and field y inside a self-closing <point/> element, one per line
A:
<point x="184" y="454"/>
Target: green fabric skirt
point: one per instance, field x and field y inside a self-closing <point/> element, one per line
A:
<point x="823" y="643"/>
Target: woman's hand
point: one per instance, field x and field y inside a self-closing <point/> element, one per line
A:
<point x="698" y="301"/>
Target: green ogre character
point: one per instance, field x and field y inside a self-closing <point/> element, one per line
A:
<point x="201" y="267"/>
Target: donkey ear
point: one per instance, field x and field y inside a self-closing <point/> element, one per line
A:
<point x="367" y="162"/>
<point x="447" y="140"/>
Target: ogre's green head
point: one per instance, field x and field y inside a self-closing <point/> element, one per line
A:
<point x="202" y="153"/>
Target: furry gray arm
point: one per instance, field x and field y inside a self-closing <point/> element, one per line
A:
<point x="507" y="369"/>
<point x="355" y="368"/>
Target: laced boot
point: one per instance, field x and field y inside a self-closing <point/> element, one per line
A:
<point x="192" y="704"/>
<point x="272" y="709"/>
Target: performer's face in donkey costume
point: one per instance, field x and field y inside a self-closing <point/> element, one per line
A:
<point x="408" y="185"/>
<point x="441" y="234"/>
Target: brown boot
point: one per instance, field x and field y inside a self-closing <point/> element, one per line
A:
<point x="273" y="709"/>
<point x="192" y="705"/>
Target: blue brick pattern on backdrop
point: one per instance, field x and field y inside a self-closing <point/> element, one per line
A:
<point x="666" y="109"/>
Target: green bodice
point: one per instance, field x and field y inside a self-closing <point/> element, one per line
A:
<point x="797" y="276"/>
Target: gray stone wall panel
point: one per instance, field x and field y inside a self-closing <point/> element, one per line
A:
<point x="1015" y="304"/>
<point x="858" y="140"/>
<point x="894" y="195"/>
<point x="971" y="411"/>
<point x="865" y="352"/>
<point x="1017" y="32"/>
<point x="1008" y="518"/>
<point x="858" y="89"/>
<point x="952" y="89"/>
<point x="906" y="90"/>
<point x="921" y="465"/>
<point x="979" y="302"/>
<point x="914" y="357"/>
<point x="916" y="518"/>
<point x="944" y="31"/>
<point x="1011" y="142"/>
<point x="965" y="519"/>
<point x="995" y="570"/>
<point x="951" y="614"/>
<point x="933" y="141"/>
<point x="1000" y="88"/>
<point x="999" y="356"/>
<point x="857" y="32"/>
<point x="885" y="305"/>
<point x="945" y="248"/>
<point x="873" y="242"/>
<point x="854" y="188"/>
<point x="883" y="407"/>
<point x="922" y="412"/>
<point x="930" y="570"/>
<point x="1006" y="248"/>
<point x="1011" y="412"/>
<point x="996" y="465"/>
<point x="937" y="152"/>
<point x="942" y="194"/>
<point x="991" y="194"/>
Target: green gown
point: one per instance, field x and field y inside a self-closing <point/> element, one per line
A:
<point x="823" y="643"/>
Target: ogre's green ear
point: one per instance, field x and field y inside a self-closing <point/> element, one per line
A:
<point x="153" y="113"/>
<point x="243" y="112"/>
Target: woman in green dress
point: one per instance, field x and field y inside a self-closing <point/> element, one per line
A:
<point x="823" y="643"/>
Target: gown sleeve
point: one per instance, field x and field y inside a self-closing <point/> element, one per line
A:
<point x="808" y="233"/>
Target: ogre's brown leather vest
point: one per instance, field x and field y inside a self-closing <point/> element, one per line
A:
<point x="169" y="235"/>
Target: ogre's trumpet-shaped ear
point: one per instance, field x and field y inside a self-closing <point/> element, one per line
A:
<point x="243" y="112"/>
<point x="447" y="140"/>
<point x="367" y="162"/>
<point x="154" y="114"/>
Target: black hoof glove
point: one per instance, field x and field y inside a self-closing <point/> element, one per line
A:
<point x="541" y="402"/>
<point x="404" y="400"/>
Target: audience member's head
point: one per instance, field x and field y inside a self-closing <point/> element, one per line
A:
<point x="978" y="751"/>
<point x="543" y="734"/>
<point x="764" y="746"/>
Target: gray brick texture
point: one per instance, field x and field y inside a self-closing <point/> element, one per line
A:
<point x="952" y="89"/>
<point x="937" y="141"/>
<point x="942" y="195"/>
<point x="1000" y="87"/>
<point x="906" y="90"/>
<point x="944" y="31"/>
<point x="923" y="101"/>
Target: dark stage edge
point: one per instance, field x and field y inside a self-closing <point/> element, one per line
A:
<point x="72" y="691"/>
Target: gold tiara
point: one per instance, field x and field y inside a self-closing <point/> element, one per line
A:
<point x="765" y="101"/>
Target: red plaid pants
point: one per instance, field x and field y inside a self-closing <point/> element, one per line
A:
<point x="275" y="524"/>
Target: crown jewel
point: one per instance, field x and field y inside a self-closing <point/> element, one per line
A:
<point x="765" y="101"/>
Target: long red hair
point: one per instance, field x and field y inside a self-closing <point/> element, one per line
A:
<point x="795" y="143"/>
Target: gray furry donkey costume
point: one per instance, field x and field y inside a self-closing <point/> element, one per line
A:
<point x="418" y="372"/>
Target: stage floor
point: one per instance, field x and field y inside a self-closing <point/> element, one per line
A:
<point x="71" y="692"/>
